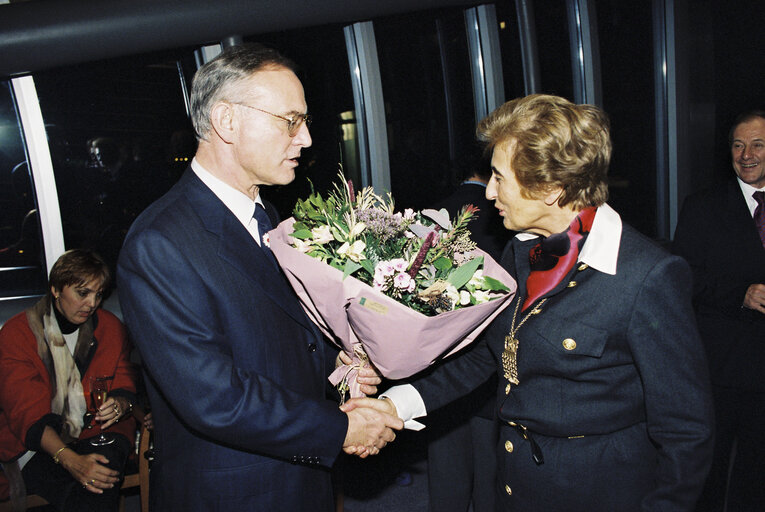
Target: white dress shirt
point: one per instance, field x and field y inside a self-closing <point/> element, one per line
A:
<point x="748" y="192"/>
<point x="240" y="204"/>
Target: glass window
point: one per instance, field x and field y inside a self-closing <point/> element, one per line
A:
<point x="427" y="89"/>
<point x="554" y="48"/>
<point x="510" y="47"/>
<point x="322" y="63"/>
<point x="119" y="138"/>
<point x="626" y="54"/>
<point x="22" y="269"/>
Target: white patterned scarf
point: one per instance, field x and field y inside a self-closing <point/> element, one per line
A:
<point x="68" y="396"/>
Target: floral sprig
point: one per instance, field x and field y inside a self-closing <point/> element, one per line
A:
<point x="422" y="259"/>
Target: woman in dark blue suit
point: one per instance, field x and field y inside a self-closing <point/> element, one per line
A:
<point x="603" y="401"/>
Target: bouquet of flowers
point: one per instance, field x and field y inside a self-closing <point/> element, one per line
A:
<point x="398" y="289"/>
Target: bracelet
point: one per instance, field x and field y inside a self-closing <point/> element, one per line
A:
<point x="130" y="408"/>
<point x="55" y="455"/>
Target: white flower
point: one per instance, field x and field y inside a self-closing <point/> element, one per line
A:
<point x="409" y="214"/>
<point x="302" y="245"/>
<point x="357" y="229"/>
<point x="402" y="281"/>
<point x="481" y="296"/>
<point x="354" y="251"/>
<point x="464" y="298"/>
<point x="452" y="294"/>
<point x="267" y="240"/>
<point x="321" y="235"/>
<point x="384" y="269"/>
<point x="399" y="264"/>
<point x="477" y="279"/>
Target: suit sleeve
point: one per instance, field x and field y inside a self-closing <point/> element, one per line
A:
<point x="713" y="284"/>
<point x="456" y="376"/>
<point x="173" y="315"/>
<point x="669" y="356"/>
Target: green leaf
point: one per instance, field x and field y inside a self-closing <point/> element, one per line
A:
<point x="350" y="268"/>
<point x="494" y="285"/>
<point x="368" y="266"/>
<point x="462" y="274"/>
<point x="302" y="234"/>
<point x="442" y="263"/>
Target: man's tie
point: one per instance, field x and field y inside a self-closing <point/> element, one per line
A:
<point x="264" y="223"/>
<point x="264" y="226"/>
<point x="759" y="214"/>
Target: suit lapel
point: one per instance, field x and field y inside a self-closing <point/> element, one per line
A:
<point x="739" y="221"/>
<point x="237" y="247"/>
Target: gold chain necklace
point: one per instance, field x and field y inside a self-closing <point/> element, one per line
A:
<point x="510" y="353"/>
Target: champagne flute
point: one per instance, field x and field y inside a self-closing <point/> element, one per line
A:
<point x="99" y="391"/>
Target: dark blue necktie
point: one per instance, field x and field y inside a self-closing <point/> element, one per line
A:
<point x="759" y="214"/>
<point x="264" y="223"/>
<point x="264" y="226"/>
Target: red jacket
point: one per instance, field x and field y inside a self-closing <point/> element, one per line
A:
<point x="25" y="385"/>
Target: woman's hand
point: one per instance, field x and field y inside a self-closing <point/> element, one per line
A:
<point x="112" y="411"/>
<point x="89" y="470"/>
<point x="368" y="376"/>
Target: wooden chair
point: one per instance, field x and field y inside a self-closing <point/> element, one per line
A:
<point x="138" y="480"/>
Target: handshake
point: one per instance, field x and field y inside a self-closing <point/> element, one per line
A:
<point x="371" y="425"/>
<point x="371" y="422"/>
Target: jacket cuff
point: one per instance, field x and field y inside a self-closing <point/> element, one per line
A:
<point x="35" y="432"/>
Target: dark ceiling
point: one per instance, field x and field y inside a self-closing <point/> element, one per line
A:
<point x="42" y="34"/>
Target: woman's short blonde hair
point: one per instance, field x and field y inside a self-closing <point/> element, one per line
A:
<point x="555" y="144"/>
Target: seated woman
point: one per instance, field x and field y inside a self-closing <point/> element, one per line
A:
<point x="49" y="354"/>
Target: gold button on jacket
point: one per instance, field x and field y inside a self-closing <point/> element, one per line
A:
<point x="569" y="344"/>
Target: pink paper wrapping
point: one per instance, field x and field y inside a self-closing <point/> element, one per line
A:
<point x="398" y="340"/>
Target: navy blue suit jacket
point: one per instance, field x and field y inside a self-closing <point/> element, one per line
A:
<point x="624" y="416"/>
<point x="236" y="371"/>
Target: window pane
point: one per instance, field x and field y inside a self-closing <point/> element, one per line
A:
<point x="510" y="46"/>
<point x="22" y="269"/>
<point x="554" y="48"/>
<point x="322" y="62"/>
<point x="428" y="97"/>
<point x="119" y="138"/>
<point x="624" y="29"/>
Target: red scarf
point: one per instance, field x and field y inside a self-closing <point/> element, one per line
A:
<point x="553" y="258"/>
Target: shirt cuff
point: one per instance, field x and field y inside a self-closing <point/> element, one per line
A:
<point x="408" y="404"/>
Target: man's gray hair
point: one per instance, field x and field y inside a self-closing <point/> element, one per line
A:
<point x="218" y="79"/>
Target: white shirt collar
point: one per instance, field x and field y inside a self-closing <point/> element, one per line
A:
<point x="240" y="204"/>
<point x="748" y="190"/>
<point x="601" y="249"/>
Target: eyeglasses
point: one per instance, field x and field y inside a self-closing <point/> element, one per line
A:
<point x="293" y="123"/>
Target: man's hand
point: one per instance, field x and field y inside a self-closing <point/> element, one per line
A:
<point x="755" y="297"/>
<point x="370" y="426"/>
<point x="368" y="376"/>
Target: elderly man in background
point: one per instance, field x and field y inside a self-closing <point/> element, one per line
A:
<point x="721" y="232"/>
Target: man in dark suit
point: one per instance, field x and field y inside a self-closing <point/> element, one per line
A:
<point x="717" y="233"/>
<point x="236" y="371"/>
<point x="603" y="396"/>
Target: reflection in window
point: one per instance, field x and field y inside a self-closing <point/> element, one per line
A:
<point x="554" y="49"/>
<point x="426" y="82"/>
<point x="119" y="138"/>
<point x="322" y="62"/>
<point x="21" y="260"/>
<point x="510" y="46"/>
<point x="628" y="99"/>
